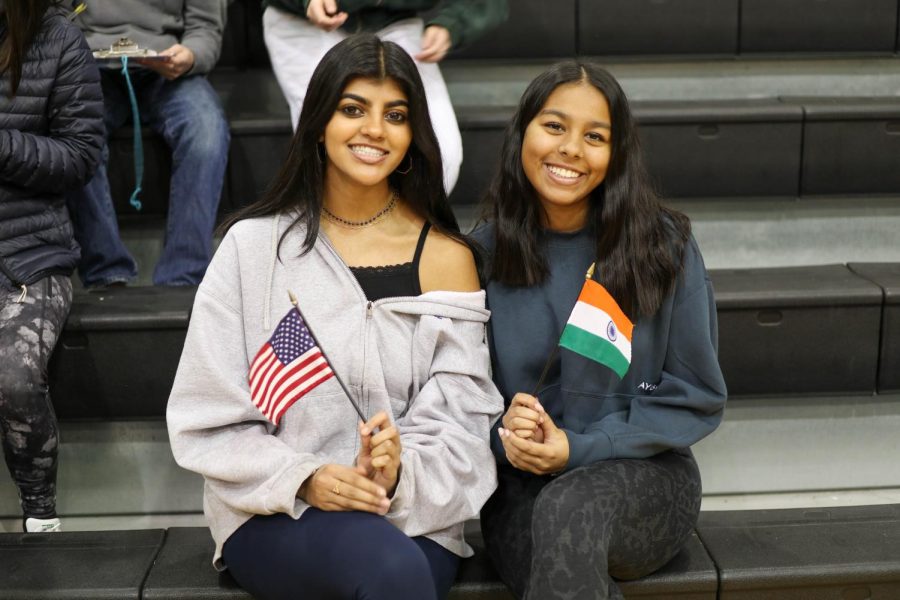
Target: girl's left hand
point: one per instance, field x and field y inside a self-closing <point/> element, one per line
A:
<point x="379" y="453"/>
<point x="544" y="458"/>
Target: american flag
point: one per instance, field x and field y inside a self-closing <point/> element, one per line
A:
<point x="288" y="366"/>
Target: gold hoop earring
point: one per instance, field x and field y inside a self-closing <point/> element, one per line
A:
<point x="408" y="169"/>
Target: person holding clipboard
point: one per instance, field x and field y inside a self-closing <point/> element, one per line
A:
<point x="163" y="86"/>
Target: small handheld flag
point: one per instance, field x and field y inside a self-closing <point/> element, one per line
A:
<point x="598" y="329"/>
<point x="287" y="366"/>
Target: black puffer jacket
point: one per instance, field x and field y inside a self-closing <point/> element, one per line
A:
<point x="50" y="138"/>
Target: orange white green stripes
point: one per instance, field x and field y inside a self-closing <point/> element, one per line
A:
<point x="598" y="329"/>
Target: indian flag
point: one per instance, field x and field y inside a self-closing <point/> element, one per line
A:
<point x="598" y="329"/>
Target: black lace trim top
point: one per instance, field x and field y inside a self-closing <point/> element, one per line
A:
<point x="393" y="280"/>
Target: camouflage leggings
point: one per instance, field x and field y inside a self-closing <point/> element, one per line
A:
<point x="564" y="537"/>
<point x="27" y="422"/>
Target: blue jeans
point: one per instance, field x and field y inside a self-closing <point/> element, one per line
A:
<point x="186" y="112"/>
<point x="331" y="555"/>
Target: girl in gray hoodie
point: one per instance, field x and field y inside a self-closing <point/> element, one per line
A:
<point x="357" y="226"/>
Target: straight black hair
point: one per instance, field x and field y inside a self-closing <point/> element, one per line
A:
<point x="300" y="182"/>
<point x="639" y="242"/>
<point x="23" y="20"/>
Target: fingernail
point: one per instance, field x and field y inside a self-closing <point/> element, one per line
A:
<point x="537" y="406"/>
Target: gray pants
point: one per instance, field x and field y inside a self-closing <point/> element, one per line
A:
<point x="28" y="334"/>
<point x="566" y="537"/>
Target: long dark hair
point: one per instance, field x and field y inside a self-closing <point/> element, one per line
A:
<point x="300" y="182"/>
<point x="23" y="20"/>
<point x="639" y="242"/>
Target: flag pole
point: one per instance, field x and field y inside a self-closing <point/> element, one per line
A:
<point x="322" y="350"/>
<point x="537" y="386"/>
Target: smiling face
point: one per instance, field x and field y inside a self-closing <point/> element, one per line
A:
<point x="369" y="134"/>
<point x="565" y="153"/>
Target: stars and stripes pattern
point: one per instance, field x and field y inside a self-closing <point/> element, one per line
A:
<point x="287" y="366"/>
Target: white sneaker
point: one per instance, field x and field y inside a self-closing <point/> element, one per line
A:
<point x="42" y="525"/>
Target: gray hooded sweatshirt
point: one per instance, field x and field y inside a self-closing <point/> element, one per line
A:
<point x="422" y="359"/>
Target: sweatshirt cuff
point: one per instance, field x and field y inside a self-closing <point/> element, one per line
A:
<point x="282" y="496"/>
<point x="400" y="502"/>
<point x="451" y="26"/>
<point x="587" y="448"/>
<point x="204" y="59"/>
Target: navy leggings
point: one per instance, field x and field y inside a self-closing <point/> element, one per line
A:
<point x="336" y="556"/>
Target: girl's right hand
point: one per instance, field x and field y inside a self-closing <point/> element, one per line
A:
<point x="524" y="417"/>
<point x="338" y="488"/>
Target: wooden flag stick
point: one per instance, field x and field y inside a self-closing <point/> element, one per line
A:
<point x="546" y="370"/>
<point x="540" y="381"/>
<point x="322" y="350"/>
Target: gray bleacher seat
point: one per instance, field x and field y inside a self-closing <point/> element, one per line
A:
<point x="844" y="553"/>
<point x="119" y="351"/>
<point x="797" y="330"/>
<point x="716" y="148"/>
<point x="803" y="330"/>
<point x="183" y="570"/>
<point x="636" y="27"/>
<point x="691" y="575"/>
<point x="886" y="275"/>
<point x="82" y="565"/>
<point x="850" y="145"/>
<point x="818" y="26"/>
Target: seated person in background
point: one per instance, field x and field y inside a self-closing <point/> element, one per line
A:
<point x="300" y="494"/>
<point x="51" y="132"/>
<point x="299" y="32"/>
<point x="176" y="101"/>
<point x="572" y="192"/>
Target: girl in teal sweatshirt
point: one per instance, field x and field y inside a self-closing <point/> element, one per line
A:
<point x="597" y="480"/>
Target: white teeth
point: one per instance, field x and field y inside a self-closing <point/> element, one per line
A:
<point x="561" y="172"/>
<point x="367" y="151"/>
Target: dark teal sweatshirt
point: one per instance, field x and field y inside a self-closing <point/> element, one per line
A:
<point x="673" y="393"/>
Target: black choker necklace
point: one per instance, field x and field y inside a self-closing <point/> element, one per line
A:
<point x="367" y="222"/>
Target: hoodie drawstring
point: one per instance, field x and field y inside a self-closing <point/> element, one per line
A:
<point x="138" y="144"/>
<point x="267" y="321"/>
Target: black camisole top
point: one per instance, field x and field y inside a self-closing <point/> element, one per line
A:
<point x="393" y="280"/>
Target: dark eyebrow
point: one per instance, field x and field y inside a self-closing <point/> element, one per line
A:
<point x="364" y="102"/>
<point x="564" y="116"/>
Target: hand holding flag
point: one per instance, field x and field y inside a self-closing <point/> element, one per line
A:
<point x="551" y="455"/>
<point x="379" y="453"/>
<point x="523" y="417"/>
